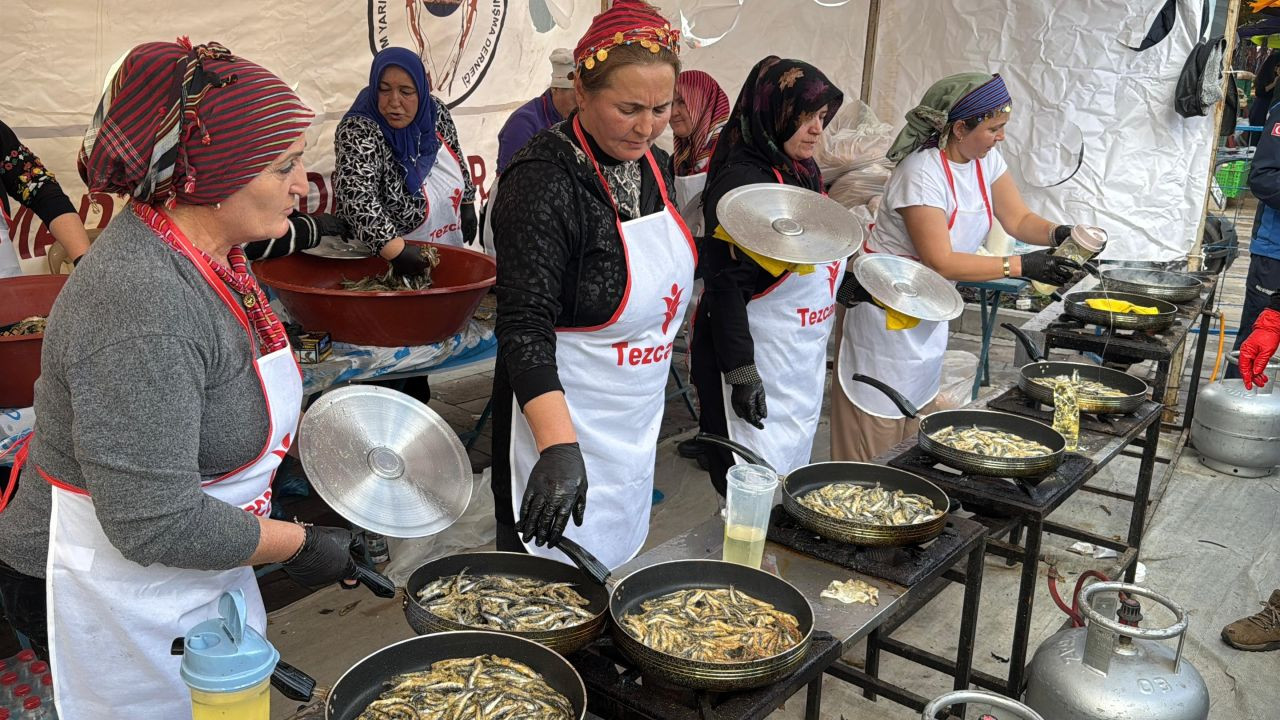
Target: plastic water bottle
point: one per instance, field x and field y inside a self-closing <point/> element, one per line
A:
<point x="21" y="693"/>
<point x="8" y="681"/>
<point x="44" y="689"/>
<point x="32" y="673"/>
<point x="34" y="709"/>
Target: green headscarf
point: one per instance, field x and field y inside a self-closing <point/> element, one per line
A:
<point x="929" y="118"/>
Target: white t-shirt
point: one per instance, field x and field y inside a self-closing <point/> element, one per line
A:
<point x="920" y="180"/>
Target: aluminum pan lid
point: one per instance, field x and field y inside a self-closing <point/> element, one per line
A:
<point x="908" y="286"/>
<point x="385" y="462"/>
<point x="338" y="249"/>
<point x="788" y="223"/>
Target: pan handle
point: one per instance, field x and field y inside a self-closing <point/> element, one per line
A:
<point x="584" y="560"/>
<point x="898" y="399"/>
<point x="292" y="682"/>
<point x="377" y="583"/>
<point x="726" y="443"/>
<point x="1032" y="351"/>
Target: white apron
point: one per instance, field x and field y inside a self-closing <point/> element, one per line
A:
<point x="443" y="190"/>
<point x="112" y="621"/>
<point x="487" y="245"/>
<point x="790" y="323"/>
<point x="689" y="200"/>
<point x="910" y="360"/>
<point x="615" y="377"/>
<point x="10" y="266"/>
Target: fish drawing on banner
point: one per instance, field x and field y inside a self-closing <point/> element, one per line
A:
<point x="456" y="39"/>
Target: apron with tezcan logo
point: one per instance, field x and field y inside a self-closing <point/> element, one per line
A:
<point x="10" y="266"/>
<point x="790" y="323"/>
<point x="443" y="191"/>
<point x="112" y="621"/>
<point x="689" y="200"/>
<point x="614" y="378"/>
<point x="908" y="360"/>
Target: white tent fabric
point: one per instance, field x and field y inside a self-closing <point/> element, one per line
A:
<point x="1144" y="169"/>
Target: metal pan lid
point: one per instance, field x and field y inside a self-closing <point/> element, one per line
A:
<point x="908" y="286"/>
<point x="385" y="462"/>
<point x="790" y="224"/>
<point x="335" y="248"/>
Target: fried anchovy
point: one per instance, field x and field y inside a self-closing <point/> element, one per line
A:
<point x="391" y="281"/>
<point x="33" y="325"/>
<point x="486" y="687"/>
<point x="506" y="604"/>
<point x="721" y="625"/>
<point x="992" y="443"/>
<point x="871" y="505"/>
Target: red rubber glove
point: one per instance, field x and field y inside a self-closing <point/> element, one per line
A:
<point x="1257" y="349"/>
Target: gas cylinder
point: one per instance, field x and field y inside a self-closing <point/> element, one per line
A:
<point x="1116" y="670"/>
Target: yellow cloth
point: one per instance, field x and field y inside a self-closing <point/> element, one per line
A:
<point x="894" y="320"/>
<point x="1120" y="306"/>
<point x="774" y="267"/>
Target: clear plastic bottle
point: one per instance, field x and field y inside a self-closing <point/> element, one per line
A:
<point x="377" y="546"/>
<point x="8" y="681"/>
<point x="35" y="709"/>
<point x="21" y="693"/>
<point x="44" y="689"/>
<point x="1085" y="242"/>
<point x="32" y="673"/>
<point x="1066" y="412"/>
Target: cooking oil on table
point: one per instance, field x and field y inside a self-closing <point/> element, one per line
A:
<point x="744" y="545"/>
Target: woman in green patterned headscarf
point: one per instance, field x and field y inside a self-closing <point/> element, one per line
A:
<point x="943" y="198"/>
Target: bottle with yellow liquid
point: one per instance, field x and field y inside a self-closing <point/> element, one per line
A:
<point x="227" y="665"/>
<point x="1066" y="412"/>
<point x="748" y="502"/>
<point x="1085" y="242"/>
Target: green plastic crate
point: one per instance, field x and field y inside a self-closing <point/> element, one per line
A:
<point x="1233" y="178"/>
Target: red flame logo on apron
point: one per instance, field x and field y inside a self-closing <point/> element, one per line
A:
<point x="833" y="272"/>
<point x="673" y="304"/>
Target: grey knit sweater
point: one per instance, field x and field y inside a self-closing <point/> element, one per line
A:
<point x="146" y="388"/>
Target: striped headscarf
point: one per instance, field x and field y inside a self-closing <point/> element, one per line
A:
<point x="708" y="110"/>
<point x="953" y="98"/>
<point x="624" y="23"/>
<point x="187" y="124"/>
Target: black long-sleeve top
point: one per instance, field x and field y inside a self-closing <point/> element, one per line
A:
<point x="560" y="259"/>
<point x="28" y="181"/>
<point x="1264" y="183"/>
<point x="730" y="278"/>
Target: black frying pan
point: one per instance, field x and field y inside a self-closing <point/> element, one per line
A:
<point x="668" y="577"/>
<point x="509" y="564"/>
<point x="1076" y="306"/>
<point x="1135" y="389"/>
<point x="370" y="677"/>
<point x="973" y="462"/>
<point x="802" y="481"/>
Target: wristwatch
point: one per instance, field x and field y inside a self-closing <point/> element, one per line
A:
<point x="1006" y="266"/>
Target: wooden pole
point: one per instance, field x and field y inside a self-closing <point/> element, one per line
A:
<point x="1194" y="262"/>
<point x="869" y="52"/>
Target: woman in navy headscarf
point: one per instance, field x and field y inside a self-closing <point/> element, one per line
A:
<point x="400" y="173"/>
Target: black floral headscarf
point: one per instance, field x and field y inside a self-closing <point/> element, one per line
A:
<point x="777" y="97"/>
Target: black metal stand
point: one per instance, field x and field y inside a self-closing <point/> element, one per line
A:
<point x="1019" y="510"/>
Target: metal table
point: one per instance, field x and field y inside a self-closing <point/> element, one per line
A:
<point x="846" y="623"/>
<point x="1009" y="508"/>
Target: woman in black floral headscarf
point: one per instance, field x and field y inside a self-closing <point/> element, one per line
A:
<point x="750" y="340"/>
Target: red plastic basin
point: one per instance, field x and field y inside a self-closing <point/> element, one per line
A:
<point x="20" y="298"/>
<point x="310" y="288"/>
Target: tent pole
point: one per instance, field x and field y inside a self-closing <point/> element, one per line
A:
<point x="1193" y="262"/>
<point x="869" y="53"/>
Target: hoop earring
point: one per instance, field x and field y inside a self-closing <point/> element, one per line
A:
<point x="217" y="206"/>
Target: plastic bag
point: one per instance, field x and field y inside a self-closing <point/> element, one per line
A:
<point x="959" y="368"/>
<point x="858" y="187"/>
<point x="854" y="139"/>
<point x="476" y="527"/>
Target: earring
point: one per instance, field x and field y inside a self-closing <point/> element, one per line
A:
<point x="217" y="206"/>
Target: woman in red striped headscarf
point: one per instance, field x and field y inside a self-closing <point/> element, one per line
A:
<point x="168" y="394"/>
<point x="700" y="109"/>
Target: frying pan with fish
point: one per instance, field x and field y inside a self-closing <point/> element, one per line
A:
<point x="511" y="565"/>
<point x="1135" y="389"/>
<point x="803" y="480"/>
<point x="664" y="578"/>
<point x="974" y="462"/>
<point x="369" y="678"/>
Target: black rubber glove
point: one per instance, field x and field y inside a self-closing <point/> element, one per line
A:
<point x="749" y="404"/>
<point x="324" y="558"/>
<point x="1048" y="269"/>
<point x="410" y="261"/>
<point x="557" y="489"/>
<point x="851" y="291"/>
<point x="1060" y="234"/>
<point x="328" y="225"/>
<point x="469" y="222"/>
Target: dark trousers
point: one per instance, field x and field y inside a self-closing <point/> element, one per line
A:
<point x="24" y="607"/>
<point x="705" y="376"/>
<point x="1262" y="280"/>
